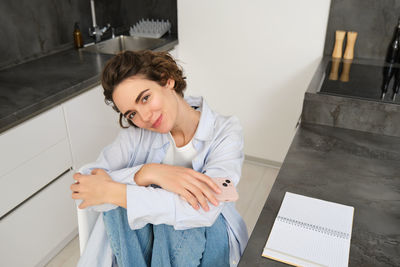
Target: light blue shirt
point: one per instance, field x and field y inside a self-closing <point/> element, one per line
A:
<point x="219" y="144"/>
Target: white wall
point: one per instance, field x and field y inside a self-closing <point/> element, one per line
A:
<point x="253" y="59"/>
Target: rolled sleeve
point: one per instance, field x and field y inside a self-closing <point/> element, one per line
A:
<point x="114" y="159"/>
<point x="117" y="155"/>
<point x="226" y="155"/>
<point x="158" y="206"/>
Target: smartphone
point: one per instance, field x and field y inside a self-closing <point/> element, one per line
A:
<point x="229" y="193"/>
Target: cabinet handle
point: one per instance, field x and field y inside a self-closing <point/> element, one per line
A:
<point x="34" y="194"/>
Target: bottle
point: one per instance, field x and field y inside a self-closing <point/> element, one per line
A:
<point x="393" y="49"/>
<point x="388" y="73"/>
<point x="77" y="36"/>
<point x="391" y="57"/>
<point x="396" y="85"/>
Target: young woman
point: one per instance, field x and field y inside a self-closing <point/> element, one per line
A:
<point x="154" y="183"/>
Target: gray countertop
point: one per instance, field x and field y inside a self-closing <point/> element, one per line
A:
<point x="350" y="167"/>
<point x="28" y="89"/>
<point x="344" y="111"/>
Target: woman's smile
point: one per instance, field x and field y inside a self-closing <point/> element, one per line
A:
<point x="157" y="123"/>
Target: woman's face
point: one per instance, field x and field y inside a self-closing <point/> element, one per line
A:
<point x="147" y="104"/>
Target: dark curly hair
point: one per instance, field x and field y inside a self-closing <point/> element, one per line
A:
<point x="154" y="66"/>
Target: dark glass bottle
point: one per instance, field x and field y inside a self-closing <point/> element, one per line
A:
<point x="391" y="58"/>
<point x="393" y="49"/>
<point x="388" y="73"/>
<point x="77" y="36"/>
<point x="396" y="85"/>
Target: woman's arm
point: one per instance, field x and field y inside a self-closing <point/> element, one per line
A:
<point x="93" y="190"/>
<point x="113" y="160"/>
<point x="97" y="189"/>
<point x="155" y="205"/>
<point x="100" y="188"/>
<point x="192" y="186"/>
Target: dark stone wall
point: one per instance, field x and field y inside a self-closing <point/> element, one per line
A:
<point x="33" y="28"/>
<point x="374" y="20"/>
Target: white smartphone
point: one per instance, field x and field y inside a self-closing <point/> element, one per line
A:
<point x="229" y="193"/>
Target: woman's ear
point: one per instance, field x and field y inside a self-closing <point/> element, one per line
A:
<point x="170" y="83"/>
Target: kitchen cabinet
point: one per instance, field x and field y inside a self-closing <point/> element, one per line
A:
<point x="39" y="157"/>
<point x="91" y="124"/>
<point x="32" y="155"/>
<point x="37" y="212"/>
<point x="38" y="229"/>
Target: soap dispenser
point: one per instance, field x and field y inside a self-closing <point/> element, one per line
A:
<point x="77" y="36"/>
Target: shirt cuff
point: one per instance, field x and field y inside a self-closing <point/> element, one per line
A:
<point x="149" y="205"/>
<point x="125" y="176"/>
<point x="158" y="206"/>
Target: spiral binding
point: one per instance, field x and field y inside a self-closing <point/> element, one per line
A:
<point x="313" y="227"/>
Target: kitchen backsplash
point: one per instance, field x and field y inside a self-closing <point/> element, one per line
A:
<point x="31" y="29"/>
<point x="374" y="20"/>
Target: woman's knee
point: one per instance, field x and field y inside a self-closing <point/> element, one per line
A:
<point x="122" y="237"/>
<point x="184" y="247"/>
<point x="179" y="238"/>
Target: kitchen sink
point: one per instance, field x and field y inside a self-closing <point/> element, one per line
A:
<point x="123" y="42"/>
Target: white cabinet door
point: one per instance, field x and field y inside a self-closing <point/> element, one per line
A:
<point x="32" y="155"/>
<point x="40" y="227"/>
<point x="91" y="125"/>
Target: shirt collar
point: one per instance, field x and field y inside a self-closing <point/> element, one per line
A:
<point x="205" y="129"/>
<point x="159" y="140"/>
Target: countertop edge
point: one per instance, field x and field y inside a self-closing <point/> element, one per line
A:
<point x="10" y="121"/>
<point x="48" y="103"/>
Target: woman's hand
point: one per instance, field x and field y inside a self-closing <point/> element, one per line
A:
<point x="192" y="186"/>
<point x="97" y="188"/>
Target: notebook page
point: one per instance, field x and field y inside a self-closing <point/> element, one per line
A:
<point x="317" y="212"/>
<point x="302" y="245"/>
<point x="306" y="247"/>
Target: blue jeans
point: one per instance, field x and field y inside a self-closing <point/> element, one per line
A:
<point x="163" y="246"/>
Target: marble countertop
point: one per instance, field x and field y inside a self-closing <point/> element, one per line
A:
<point x="344" y="111"/>
<point x="28" y="89"/>
<point x="345" y="166"/>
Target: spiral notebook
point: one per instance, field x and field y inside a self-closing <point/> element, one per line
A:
<point x="310" y="232"/>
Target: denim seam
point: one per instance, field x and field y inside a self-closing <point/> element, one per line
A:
<point x="149" y="245"/>
<point x="111" y="238"/>
<point x="178" y="247"/>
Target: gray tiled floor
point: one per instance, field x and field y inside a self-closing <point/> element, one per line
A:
<point x="254" y="187"/>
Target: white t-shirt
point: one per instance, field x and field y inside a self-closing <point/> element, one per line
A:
<point x="180" y="156"/>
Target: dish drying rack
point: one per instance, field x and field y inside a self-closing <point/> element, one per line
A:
<point x="150" y="28"/>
